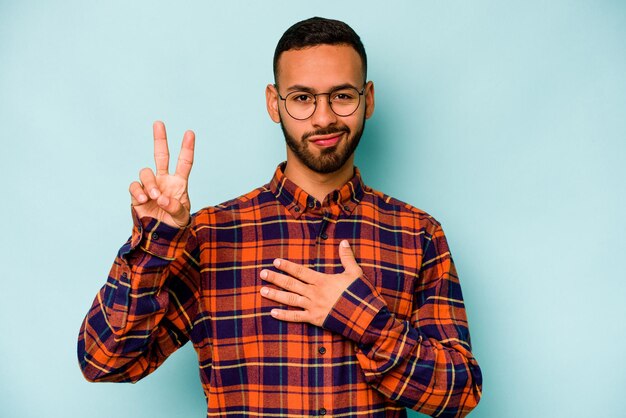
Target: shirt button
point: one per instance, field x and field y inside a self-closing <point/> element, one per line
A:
<point x="311" y="205"/>
<point x="322" y="350"/>
<point x="346" y="208"/>
<point x="297" y="209"/>
<point x="155" y="236"/>
<point x="324" y="236"/>
<point x="322" y="411"/>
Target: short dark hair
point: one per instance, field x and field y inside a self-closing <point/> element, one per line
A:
<point x="319" y="31"/>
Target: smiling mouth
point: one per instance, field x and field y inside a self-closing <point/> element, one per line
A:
<point x="327" y="140"/>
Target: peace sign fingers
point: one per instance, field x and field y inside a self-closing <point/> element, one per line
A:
<point x="164" y="196"/>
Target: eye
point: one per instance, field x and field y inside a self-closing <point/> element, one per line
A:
<point x="343" y="96"/>
<point x="301" y="98"/>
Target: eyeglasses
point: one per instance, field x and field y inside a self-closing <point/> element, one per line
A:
<point x="301" y="105"/>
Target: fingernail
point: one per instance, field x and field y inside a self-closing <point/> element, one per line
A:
<point x="264" y="291"/>
<point x="142" y="198"/>
<point x="345" y="244"/>
<point x="274" y="312"/>
<point x="154" y="193"/>
<point x="263" y="274"/>
<point x="164" y="201"/>
<point x="277" y="263"/>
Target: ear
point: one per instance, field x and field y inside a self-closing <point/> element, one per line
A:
<point x="271" y="101"/>
<point x="369" y="99"/>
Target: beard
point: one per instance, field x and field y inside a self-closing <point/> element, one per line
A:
<point x="331" y="159"/>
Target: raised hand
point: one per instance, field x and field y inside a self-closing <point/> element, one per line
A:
<point x="164" y="196"/>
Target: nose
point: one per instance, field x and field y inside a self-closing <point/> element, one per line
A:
<point x="323" y="115"/>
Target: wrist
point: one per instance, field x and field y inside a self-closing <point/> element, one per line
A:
<point x="358" y="307"/>
<point x="156" y="237"/>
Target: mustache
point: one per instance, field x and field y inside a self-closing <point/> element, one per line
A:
<point x="326" y="131"/>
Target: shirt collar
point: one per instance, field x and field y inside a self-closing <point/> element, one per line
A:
<point x="297" y="201"/>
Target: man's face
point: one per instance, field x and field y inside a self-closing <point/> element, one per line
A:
<point x="325" y="142"/>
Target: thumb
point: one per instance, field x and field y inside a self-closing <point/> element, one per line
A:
<point x="178" y="212"/>
<point x="347" y="259"/>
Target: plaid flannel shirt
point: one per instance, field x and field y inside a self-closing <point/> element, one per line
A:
<point x="398" y="336"/>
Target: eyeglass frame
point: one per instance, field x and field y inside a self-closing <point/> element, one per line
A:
<point x="330" y="104"/>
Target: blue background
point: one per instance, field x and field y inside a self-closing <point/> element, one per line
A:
<point x="505" y="120"/>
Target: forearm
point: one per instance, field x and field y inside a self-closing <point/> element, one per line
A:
<point x="435" y="374"/>
<point x="136" y="319"/>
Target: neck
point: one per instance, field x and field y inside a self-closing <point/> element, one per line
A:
<point x="318" y="185"/>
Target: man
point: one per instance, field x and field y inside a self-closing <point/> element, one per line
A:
<point x="311" y="295"/>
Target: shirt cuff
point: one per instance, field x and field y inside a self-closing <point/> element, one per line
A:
<point x="156" y="238"/>
<point x="360" y="314"/>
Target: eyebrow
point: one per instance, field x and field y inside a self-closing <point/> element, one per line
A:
<point x="300" y="87"/>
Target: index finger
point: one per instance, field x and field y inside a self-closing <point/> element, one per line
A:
<point x="295" y="270"/>
<point x="185" y="158"/>
<point x="161" y="152"/>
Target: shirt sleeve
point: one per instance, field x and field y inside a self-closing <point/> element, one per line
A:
<point x="425" y="364"/>
<point x="145" y="310"/>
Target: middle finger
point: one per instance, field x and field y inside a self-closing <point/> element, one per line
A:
<point x="285" y="298"/>
<point x="284" y="281"/>
<point x="161" y="152"/>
